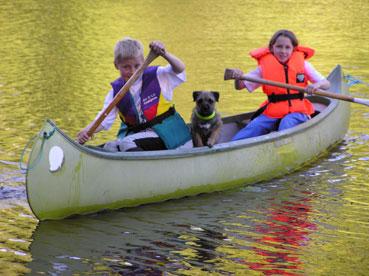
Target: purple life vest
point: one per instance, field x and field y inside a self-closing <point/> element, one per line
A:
<point x="150" y="96"/>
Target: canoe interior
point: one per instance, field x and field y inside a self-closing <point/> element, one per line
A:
<point x="232" y="124"/>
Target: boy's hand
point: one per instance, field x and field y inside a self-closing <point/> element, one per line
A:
<point x="82" y="136"/>
<point x="158" y="48"/>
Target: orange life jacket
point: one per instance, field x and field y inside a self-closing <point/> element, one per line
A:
<point x="292" y="73"/>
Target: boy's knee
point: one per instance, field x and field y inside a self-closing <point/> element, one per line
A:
<point x="119" y="145"/>
<point x="126" y="145"/>
<point x="111" y="146"/>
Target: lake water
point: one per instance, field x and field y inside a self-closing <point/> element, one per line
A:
<point x="57" y="62"/>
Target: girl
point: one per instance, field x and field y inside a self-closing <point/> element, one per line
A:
<point x="283" y="61"/>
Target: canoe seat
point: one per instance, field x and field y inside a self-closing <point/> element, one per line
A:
<point x="228" y="131"/>
<point x="316" y="112"/>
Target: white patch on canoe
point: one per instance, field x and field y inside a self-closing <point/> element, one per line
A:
<point x="56" y="158"/>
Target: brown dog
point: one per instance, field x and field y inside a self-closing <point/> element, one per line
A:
<point x="206" y="123"/>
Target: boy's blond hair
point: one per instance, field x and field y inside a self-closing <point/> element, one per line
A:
<point x="127" y="48"/>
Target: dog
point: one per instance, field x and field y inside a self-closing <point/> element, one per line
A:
<point x="206" y="123"/>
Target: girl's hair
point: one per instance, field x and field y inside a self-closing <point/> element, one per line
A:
<point x="285" y="33"/>
<point x="127" y="48"/>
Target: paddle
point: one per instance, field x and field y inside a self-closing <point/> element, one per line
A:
<point x="228" y="74"/>
<point x="122" y="92"/>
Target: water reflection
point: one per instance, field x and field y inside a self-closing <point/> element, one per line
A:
<point x="130" y="242"/>
<point x="16" y="226"/>
<point x="185" y="236"/>
<point x="287" y="228"/>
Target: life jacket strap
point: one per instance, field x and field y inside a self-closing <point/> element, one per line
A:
<point x="157" y="120"/>
<point x="274" y="98"/>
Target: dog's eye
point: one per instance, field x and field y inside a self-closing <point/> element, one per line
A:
<point x="200" y="101"/>
<point x="211" y="101"/>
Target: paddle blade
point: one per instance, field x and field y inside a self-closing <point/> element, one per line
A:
<point x="361" y="101"/>
<point x="228" y="74"/>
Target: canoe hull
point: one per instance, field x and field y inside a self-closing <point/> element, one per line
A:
<point x="90" y="181"/>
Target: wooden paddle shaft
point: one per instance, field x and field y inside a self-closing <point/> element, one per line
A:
<point x="122" y="92"/>
<point x="300" y="89"/>
<point x="229" y="74"/>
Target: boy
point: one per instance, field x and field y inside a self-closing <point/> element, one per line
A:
<point x="149" y="121"/>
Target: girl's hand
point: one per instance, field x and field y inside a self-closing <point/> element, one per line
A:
<point x="158" y="48"/>
<point x="312" y="88"/>
<point x="237" y="73"/>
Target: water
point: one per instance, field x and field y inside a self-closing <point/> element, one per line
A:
<point x="56" y="62"/>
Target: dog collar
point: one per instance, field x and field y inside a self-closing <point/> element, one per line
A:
<point x="206" y="118"/>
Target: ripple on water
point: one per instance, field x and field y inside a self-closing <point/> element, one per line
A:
<point x="12" y="188"/>
<point x="16" y="227"/>
<point x="9" y="192"/>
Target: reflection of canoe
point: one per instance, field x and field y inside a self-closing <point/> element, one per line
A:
<point x="87" y="179"/>
<point x="151" y="240"/>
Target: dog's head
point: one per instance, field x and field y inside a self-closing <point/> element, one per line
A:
<point x="205" y="101"/>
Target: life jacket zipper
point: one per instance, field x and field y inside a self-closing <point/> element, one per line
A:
<point x="287" y="81"/>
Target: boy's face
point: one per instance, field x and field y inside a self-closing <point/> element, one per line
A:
<point x="128" y="66"/>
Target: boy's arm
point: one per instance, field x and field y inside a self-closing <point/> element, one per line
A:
<point x="82" y="136"/>
<point x="177" y="65"/>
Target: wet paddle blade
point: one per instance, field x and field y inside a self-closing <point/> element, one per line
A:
<point x="361" y="101"/>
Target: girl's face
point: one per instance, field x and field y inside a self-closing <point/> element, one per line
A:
<point x="128" y="66"/>
<point x="282" y="49"/>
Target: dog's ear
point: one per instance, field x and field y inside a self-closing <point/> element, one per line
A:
<point x="216" y="95"/>
<point x="195" y="95"/>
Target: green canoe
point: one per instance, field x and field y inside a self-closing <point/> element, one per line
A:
<point x="66" y="178"/>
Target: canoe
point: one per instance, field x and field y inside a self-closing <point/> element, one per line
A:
<point x="65" y="178"/>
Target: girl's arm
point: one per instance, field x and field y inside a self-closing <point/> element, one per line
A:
<point x="318" y="81"/>
<point x="313" y="87"/>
